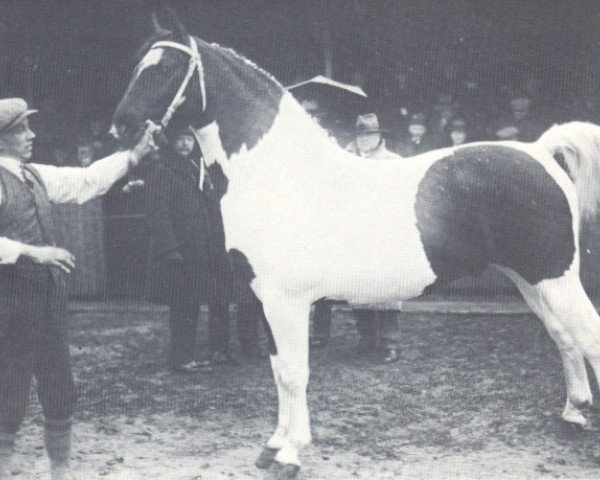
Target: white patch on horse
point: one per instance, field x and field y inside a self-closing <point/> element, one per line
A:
<point x="367" y="248"/>
<point x="153" y="57"/>
<point x="210" y="143"/>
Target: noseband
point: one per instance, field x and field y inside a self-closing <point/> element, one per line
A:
<point x="195" y="63"/>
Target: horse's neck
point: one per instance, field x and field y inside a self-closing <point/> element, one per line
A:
<point x="242" y="99"/>
<point x="291" y="136"/>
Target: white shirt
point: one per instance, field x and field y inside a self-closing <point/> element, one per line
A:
<point x="66" y="185"/>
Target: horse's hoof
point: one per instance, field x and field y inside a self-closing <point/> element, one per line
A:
<point x="284" y="471"/>
<point x="266" y="457"/>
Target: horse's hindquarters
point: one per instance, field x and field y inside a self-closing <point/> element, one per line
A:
<point x="494" y="204"/>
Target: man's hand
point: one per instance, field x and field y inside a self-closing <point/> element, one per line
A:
<point x="52" y="256"/>
<point x="145" y="144"/>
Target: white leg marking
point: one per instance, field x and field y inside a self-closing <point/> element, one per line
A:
<point x="288" y="319"/>
<point x="547" y="301"/>
<point x="278" y="438"/>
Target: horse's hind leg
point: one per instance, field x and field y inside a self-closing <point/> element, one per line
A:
<point x="558" y="303"/>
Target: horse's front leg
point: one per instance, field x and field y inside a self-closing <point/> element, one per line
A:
<point x="278" y="439"/>
<point x="288" y="319"/>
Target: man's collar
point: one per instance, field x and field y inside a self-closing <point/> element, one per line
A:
<point x="12" y="164"/>
<point x="371" y="152"/>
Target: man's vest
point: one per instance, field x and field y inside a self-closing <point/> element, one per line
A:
<point x="26" y="216"/>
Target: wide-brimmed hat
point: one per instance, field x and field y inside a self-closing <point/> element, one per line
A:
<point x="368" y="123"/>
<point x="12" y="112"/>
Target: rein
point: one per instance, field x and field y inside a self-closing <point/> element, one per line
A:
<point x="195" y="64"/>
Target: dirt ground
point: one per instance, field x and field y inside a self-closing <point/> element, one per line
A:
<point x="472" y="397"/>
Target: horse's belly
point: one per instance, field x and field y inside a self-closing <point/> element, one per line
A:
<point x="354" y="240"/>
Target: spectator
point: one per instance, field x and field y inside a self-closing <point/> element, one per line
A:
<point x="586" y="107"/>
<point x="439" y="122"/>
<point x="369" y="141"/>
<point x="418" y="140"/>
<point x="377" y="329"/>
<point x="520" y="123"/>
<point x="85" y="153"/>
<point x="457" y="133"/>
<point x="182" y="246"/>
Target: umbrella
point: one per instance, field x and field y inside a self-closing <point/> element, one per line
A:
<point x="333" y="96"/>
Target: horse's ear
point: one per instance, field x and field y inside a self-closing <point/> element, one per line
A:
<point x="166" y="19"/>
<point x="157" y="27"/>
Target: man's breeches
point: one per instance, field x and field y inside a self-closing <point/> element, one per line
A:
<point x="34" y="342"/>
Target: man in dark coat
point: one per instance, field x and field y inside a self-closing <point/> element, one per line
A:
<point x="418" y="139"/>
<point x="33" y="301"/>
<point x="188" y="250"/>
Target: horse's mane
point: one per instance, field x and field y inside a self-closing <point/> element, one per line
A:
<point x="248" y="62"/>
<point x="166" y="35"/>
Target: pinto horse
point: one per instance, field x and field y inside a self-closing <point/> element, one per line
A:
<point x="305" y="220"/>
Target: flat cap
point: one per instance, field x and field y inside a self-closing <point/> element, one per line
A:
<point x="12" y="112"/>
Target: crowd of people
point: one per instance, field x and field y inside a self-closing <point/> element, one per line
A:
<point x="457" y="116"/>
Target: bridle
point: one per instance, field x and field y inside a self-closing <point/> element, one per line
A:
<point x="195" y="64"/>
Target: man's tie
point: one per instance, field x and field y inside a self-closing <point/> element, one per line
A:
<point x="27" y="176"/>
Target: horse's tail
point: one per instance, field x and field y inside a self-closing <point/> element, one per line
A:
<point x="576" y="147"/>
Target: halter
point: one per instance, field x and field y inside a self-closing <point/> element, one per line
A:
<point x="194" y="64"/>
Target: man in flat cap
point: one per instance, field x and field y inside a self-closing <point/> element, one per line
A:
<point x="33" y="336"/>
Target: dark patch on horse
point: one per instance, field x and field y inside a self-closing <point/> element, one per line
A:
<point x="243" y="274"/>
<point x="241" y="98"/>
<point x="494" y="204"/>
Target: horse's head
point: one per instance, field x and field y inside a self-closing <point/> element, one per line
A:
<point x="168" y="80"/>
<point x="229" y="101"/>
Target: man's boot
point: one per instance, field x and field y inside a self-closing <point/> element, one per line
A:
<point x="57" y="439"/>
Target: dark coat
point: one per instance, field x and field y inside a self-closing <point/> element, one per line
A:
<point x="186" y="220"/>
<point x="408" y="148"/>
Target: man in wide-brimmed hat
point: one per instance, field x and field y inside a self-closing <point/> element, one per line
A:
<point x="368" y="139"/>
<point x="377" y="329"/>
<point x="368" y="142"/>
<point x="33" y="337"/>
